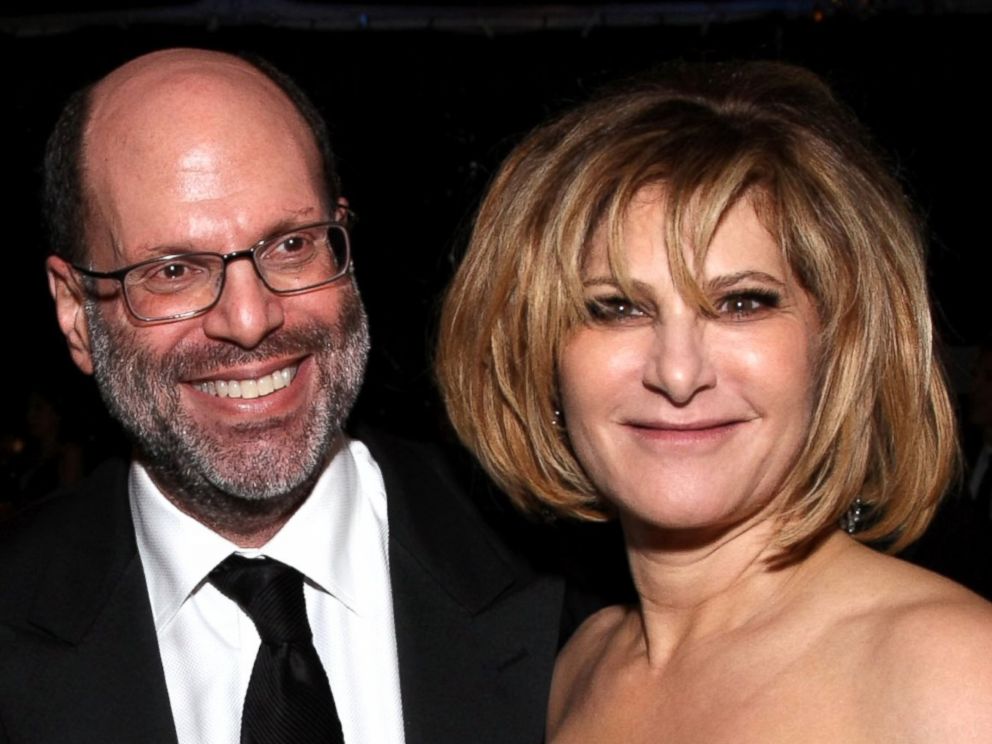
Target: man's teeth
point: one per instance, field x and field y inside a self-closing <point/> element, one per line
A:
<point x="257" y="388"/>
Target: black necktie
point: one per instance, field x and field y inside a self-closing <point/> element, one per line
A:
<point x="289" y="700"/>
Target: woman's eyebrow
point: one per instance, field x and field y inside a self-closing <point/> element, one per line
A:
<point x="722" y="281"/>
<point x="612" y="281"/>
<point x="726" y="281"/>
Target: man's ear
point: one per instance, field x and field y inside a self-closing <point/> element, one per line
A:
<point x="341" y="211"/>
<point x="69" y="298"/>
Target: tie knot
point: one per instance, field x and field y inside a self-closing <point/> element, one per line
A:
<point x="270" y="593"/>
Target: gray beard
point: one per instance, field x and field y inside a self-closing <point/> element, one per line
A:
<point x="259" y="473"/>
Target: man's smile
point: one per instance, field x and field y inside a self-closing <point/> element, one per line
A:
<point x="249" y="388"/>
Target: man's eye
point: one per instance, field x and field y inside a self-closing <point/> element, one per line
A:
<point x="291" y="249"/>
<point x="292" y="244"/>
<point x="173" y="271"/>
<point x="741" y="305"/>
<point x="613" y="309"/>
<point x="169" y="276"/>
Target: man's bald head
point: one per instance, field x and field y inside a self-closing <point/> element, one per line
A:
<point x="154" y="89"/>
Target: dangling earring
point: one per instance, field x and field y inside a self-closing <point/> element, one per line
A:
<point x="556" y="418"/>
<point x="851" y="521"/>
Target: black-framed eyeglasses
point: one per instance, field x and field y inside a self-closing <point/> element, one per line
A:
<point x="184" y="285"/>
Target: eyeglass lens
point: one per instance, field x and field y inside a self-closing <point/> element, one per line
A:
<point x="184" y="285"/>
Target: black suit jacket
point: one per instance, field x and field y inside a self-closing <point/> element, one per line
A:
<point x="477" y="629"/>
<point x="958" y="543"/>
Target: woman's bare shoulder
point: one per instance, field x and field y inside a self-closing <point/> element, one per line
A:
<point x="937" y="655"/>
<point x="928" y="654"/>
<point x="579" y="660"/>
<point x="599" y="626"/>
<point x="590" y="642"/>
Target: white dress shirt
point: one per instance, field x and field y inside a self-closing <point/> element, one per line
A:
<point x="338" y="539"/>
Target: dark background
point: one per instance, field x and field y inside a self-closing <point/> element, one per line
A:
<point x="423" y="103"/>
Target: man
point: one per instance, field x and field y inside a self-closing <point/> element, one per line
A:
<point x="202" y="273"/>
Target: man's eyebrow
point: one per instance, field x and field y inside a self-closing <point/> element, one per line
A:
<point x="288" y="224"/>
<point x="301" y="217"/>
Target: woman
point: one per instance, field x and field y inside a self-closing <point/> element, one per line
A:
<point x="699" y="305"/>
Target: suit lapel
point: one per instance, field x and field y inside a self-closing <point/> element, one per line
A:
<point x="90" y="650"/>
<point x="476" y="629"/>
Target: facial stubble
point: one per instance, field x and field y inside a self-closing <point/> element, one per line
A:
<point x="259" y="471"/>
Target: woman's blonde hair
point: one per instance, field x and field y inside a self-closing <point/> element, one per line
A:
<point x="882" y="428"/>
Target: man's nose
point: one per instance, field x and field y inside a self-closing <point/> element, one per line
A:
<point x="679" y="362"/>
<point x="247" y="310"/>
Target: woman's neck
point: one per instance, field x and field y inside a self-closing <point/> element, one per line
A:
<point x="693" y="587"/>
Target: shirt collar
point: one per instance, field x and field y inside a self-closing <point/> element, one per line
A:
<point x="337" y="530"/>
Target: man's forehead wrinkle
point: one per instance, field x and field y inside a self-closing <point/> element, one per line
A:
<point x="198" y="176"/>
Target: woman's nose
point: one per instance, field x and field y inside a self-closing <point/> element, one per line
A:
<point x="678" y="363"/>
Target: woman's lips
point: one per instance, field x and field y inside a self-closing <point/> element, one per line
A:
<point x="692" y="431"/>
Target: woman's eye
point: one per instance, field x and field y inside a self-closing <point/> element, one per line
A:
<point x="741" y="305"/>
<point x="613" y="309"/>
